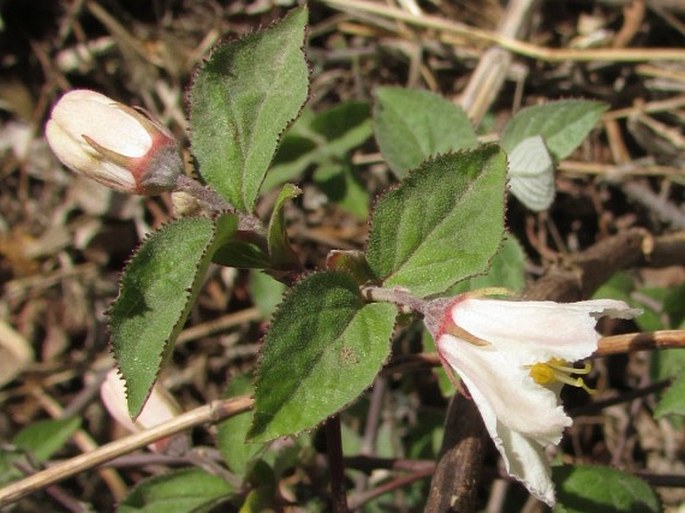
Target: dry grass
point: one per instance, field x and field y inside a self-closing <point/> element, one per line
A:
<point x="64" y="240"/>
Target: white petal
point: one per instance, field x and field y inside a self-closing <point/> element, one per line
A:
<point x="502" y="387"/>
<point x="113" y="395"/>
<point x="537" y="331"/>
<point x="81" y="158"/>
<point x="521" y="416"/>
<point x="525" y="460"/>
<point x="101" y="119"/>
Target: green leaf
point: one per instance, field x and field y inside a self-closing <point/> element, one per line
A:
<point x="259" y="500"/>
<point x="245" y="250"/>
<point x="588" y="488"/>
<point x="9" y="457"/>
<point x="324" y="348"/>
<point x="341" y="183"/>
<point x="241" y="100"/>
<point x="506" y="270"/>
<point x="266" y="292"/>
<point x="620" y="286"/>
<point x="282" y="255"/>
<point x="44" y="438"/>
<point x="157" y="289"/>
<point x="672" y="401"/>
<point x="182" y="491"/>
<point x="231" y="433"/>
<point x="322" y="138"/>
<point x="412" y="125"/>
<point x="531" y="173"/>
<point x="442" y="224"/>
<point x="563" y="124"/>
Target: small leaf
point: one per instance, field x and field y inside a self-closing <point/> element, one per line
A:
<point x="259" y="500"/>
<point x="352" y="262"/>
<point x="237" y="453"/>
<point x="324" y="348"/>
<point x="241" y="100"/>
<point x="341" y="183"/>
<point x="282" y="255"/>
<point x="412" y="125"/>
<point x="563" y="124"/>
<point x="245" y="250"/>
<point x="585" y="488"/>
<point x="44" y="438"/>
<point x="181" y="491"/>
<point x="156" y="292"/>
<point x="442" y="224"/>
<point x="672" y="401"/>
<point x="295" y="155"/>
<point x="266" y="292"/>
<point x="668" y="363"/>
<point x="531" y="173"/>
<point x="320" y="138"/>
<point x="9" y="457"/>
<point x="344" y="127"/>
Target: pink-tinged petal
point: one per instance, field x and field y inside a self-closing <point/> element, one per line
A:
<point x="113" y="144"/>
<point x="537" y="330"/>
<point x="158" y="408"/>
<point x="502" y="388"/>
<point x="113" y="395"/>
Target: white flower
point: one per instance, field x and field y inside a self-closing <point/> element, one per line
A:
<point x="512" y="355"/>
<point x="159" y="408"/>
<point x="113" y="144"/>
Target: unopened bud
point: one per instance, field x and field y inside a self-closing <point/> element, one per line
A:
<point x="160" y="407"/>
<point x="113" y="144"/>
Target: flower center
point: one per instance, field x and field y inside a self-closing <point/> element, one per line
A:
<point x="559" y="370"/>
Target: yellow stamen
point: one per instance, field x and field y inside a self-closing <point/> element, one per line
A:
<point x="558" y="370"/>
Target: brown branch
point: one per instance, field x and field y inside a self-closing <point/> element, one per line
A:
<point x="336" y="465"/>
<point x="357" y="501"/>
<point x="454" y="485"/>
<point x="629" y="342"/>
<point x="578" y="276"/>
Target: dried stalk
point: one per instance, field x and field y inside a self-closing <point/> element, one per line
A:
<point x="476" y="35"/>
<point x="210" y="413"/>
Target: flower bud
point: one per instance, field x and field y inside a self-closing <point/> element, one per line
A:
<point x="113" y="144"/>
<point x="160" y="407"/>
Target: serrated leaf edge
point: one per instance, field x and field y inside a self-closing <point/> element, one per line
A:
<point x="417" y="169"/>
<point x="176" y="328"/>
<point x="229" y="40"/>
<point x="256" y="383"/>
